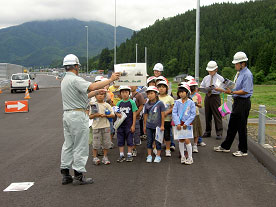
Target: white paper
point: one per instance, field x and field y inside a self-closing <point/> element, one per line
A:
<point x="204" y="90"/>
<point x="90" y="122"/>
<point x="119" y="121"/>
<point x="183" y="134"/>
<point x="132" y="74"/>
<point x="19" y="186"/>
<point x="159" y="135"/>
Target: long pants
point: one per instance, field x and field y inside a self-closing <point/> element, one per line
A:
<point x="238" y="123"/>
<point x="75" y="149"/>
<point x="211" y="104"/>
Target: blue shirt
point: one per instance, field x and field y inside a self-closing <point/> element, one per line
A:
<point x="154" y="115"/>
<point x="189" y="114"/>
<point x="244" y="82"/>
<point x="128" y="107"/>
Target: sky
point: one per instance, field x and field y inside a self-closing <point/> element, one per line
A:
<point x="134" y="14"/>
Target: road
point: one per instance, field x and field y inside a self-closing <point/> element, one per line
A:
<point x="30" y="145"/>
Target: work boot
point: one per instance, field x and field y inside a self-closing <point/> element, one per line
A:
<point x="66" y="177"/>
<point x="79" y="179"/>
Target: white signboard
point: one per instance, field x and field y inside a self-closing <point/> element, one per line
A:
<point x="132" y="74"/>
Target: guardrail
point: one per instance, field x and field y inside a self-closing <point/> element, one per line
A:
<point x="4" y="84"/>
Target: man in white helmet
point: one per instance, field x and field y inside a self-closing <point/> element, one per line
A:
<point x="158" y="69"/>
<point x="241" y="94"/>
<point x="74" y="90"/>
<point x="212" y="100"/>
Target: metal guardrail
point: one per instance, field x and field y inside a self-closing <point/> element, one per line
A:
<point x="4" y="84"/>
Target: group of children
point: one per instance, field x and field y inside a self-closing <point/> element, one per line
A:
<point x="154" y="107"/>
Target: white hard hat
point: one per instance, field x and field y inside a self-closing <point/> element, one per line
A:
<point x="239" y="57"/>
<point x="192" y="83"/>
<point x="163" y="83"/>
<point x="124" y="88"/>
<point x="152" y="78"/>
<point x="71" y="60"/>
<point x="159" y="67"/>
<point x="185" y="85"/>
<point x="99" y="78"/>
<point x="152" y="88"/>
<point x="212" y="65"/>
<point x="162" y="78"/>
<point x="189" y="78"/>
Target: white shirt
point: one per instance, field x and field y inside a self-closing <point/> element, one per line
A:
<point x="206" y="82"/>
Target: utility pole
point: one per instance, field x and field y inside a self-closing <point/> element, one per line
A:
<point x="115" y="38"/>
<point x="136" y="52"/>
<point x="87" y="49"/>
<point x="197" y="41"/>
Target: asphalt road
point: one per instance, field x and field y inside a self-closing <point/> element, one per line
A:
<point x="30" y="145"/>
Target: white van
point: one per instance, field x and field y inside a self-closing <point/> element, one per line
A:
<point x="21" y="81"/>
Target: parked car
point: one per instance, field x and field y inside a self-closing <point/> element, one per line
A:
<point x="21" y="81"/>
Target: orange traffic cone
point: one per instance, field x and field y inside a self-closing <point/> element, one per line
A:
<point x="27" y="95"/>
<point x="0" y="90"/>
<point x="35" y="86"/>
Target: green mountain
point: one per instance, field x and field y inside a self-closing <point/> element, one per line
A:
<point x="224" y="30"/>
<point x="40" y="43"/>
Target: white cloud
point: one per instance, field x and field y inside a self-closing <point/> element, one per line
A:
<point x="130" y="13"/>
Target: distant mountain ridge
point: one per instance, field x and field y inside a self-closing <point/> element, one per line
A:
<point x="39" y="43"/>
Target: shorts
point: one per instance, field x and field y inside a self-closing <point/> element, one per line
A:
<point x="136" y="135"/>
<point x="124" y="135"/>
<point x="101" y="137"/>
<point x="197" y="129"/>
<point x="167" y="132"/>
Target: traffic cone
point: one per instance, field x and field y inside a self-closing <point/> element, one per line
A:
<point x="27" y="95"/>
<point x="0" y="90"/>
<point x="35" y="86"/>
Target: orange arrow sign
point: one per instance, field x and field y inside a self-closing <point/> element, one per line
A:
<point x="16" y="106"/>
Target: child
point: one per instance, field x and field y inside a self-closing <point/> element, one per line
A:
<point x="101" y="129"/>
<point x="127" y="128"/>
<point x="168" y="102"/>
<point x="197" y="130"/>
<point x="151" y="81"/>
<point x="183" y="115"/>
<point x="154" y="116"/>
<point x="140" y="101"/>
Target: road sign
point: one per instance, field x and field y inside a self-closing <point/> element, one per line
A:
<point x="16" y="106"/>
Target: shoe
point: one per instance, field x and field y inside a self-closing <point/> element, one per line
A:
<point x="202" y="144"/>
<point x="219" y="137"/>
<point x="66" y="177"/>
<point x="195" y="148"/>
<point x="149" y="159"/>
<point x="112" y="145"/>
<point x="155" y="151"/>
<point x="121" y="159"/>
<point x="157" y="159"/>
<point x="96" y="161"/>
<point x="206" y="135"/>
<point x="134" y="152"/>
<point x="143" y="137"/>
<point x="129" y="158"/>
<point x="105" y="161"/>
<point x="240" y="154"/>
<point x="81" y="180"/>
<point x="168" y="153"/>
<point x="189" y="161"/>
<point x="172" y="148"/>
<point x="220" y="149"/>
<point x="183" y="160"/>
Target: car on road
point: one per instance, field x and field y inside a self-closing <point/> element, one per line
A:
<point x="21" y="81"/>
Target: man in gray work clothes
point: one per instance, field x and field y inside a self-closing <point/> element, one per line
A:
<point x="75" y="93"/>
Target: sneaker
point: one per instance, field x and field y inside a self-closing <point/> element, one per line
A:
<point x="66" y="179"/>
<point x="149" y="158"/>
<point x="121" y="159"/>
<point x="220" y="149"/>
<point x="219" y="137"/>
<point x="202" y="144"/>
<point x="105" y="161"/>
<point x="195" y="148"/>
<point x="81" y="180"/>
<point x="240" y="154"/>
<point x="172" y="148"/>
<point x="205" y="135"/>
<point x="168" y="153"/>
<point x="143" y="137"/>
<point x="129" y="158"/>
<point x="155" y="151"/>
<point x="189" y="161"/>
<point x="134" y="152"/>
<point x="157" y="159"/>
<point x="183" y="160"/>
<point x="96" y="161"/>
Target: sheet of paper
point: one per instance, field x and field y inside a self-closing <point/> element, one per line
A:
<point x="183" y="134"/>
<point x="159" y="135"/>
<point x="19" y="186"/>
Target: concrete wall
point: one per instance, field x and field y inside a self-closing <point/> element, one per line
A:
<point x="7" y="69"/>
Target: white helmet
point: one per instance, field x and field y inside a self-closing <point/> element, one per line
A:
<point x="189" y="78"/>
<point x="99" y="78"/>
<point x="162" y="78"/>
<point x="185" y="85"/>
<point x="192" y="83"/>
<point x="71" y="60"/>
<point x="159" y="67"/>
<point x="239" y="57"/>
<point x="124" y="88"/>
<point x="212" y="65"/>
<point x="163" y="83"/>
<point x="152" y="78"/>
<point x="152" y="88"/>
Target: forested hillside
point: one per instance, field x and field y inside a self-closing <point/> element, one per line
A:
<point x="225" y="29"/>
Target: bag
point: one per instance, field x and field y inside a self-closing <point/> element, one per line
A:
<point x="223" y="109"/>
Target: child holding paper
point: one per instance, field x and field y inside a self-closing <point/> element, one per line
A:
<point x="154" y="116"/>
<point x="168" y="102"/>
<point x="183" y="114"/>
<point x="126" y="129"/>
